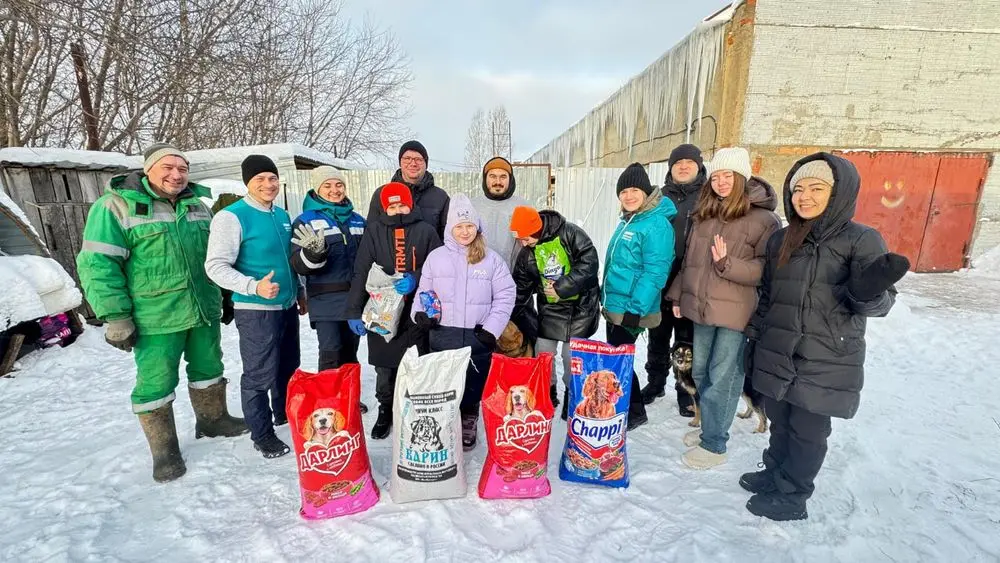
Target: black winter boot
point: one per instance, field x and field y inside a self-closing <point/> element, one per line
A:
<point x="636" y="420"/>
<point x="161" y="433"/>
<point x="554" y="393"/>
<point x="383" y="424"/>
<point x="211" y="414"/>
<point x="271" y="447"/>
<point x="778" y="506"/>
<point x="654" y="389"/>
<point x="759" y="481"/>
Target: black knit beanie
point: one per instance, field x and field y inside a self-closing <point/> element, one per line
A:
<point x="255" y="164"/>
<point x="413" y="146"/>
<point x="634" y="177"/>
<point x="689" y="152"/>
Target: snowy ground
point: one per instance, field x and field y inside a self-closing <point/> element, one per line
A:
<point x="915" y="477"/>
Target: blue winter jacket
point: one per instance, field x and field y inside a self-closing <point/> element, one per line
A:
<point x="328" y="282"/>
<point x="638" y="262"/>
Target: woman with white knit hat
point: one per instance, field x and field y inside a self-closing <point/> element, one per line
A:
<point x="717" y="290"/>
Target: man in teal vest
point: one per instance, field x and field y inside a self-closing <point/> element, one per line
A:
<point x="248" y="253"/>
<point x="142" y="268"/>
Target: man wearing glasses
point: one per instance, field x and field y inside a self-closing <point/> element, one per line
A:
<point x="429" y="201"/>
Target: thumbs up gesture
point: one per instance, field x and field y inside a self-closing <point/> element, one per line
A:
<point x="266" y="288"/>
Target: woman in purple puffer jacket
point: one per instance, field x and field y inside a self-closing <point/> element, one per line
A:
<point x="477" y="292"/>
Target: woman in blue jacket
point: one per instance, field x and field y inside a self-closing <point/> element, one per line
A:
<point x="636" y="267"/>
<point x="325" y="242"/>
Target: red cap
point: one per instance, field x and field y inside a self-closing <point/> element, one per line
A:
<point x="395" y="192"/>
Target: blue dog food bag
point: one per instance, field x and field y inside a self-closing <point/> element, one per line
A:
<point x="597" y="414"/>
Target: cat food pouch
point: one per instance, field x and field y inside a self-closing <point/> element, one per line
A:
<point x="517" y="415"/>
<point x="325" y="417"/>
<point x="427" y="460"/>
<point x="597" y="414"/>
<point x="385" y="307"/>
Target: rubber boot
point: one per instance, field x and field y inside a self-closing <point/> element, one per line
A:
<point x="211" y="413"/>
<point x="161" y="433"/>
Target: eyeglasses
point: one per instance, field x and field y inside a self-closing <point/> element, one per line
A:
<point x="409" y="159"/>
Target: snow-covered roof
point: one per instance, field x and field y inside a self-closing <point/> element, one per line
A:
<point x="69" y="158"/>
<point x="221" y="186"/>
<point x="286" y="153"/>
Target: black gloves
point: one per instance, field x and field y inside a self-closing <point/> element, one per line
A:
<point x="630" y="320"/>
<point x="878" y="276"/>
<point x="425" y="322"/>
<point x="485" y="337"/>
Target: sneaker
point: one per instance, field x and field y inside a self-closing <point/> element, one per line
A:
<point x="636" y="420"/>
<point x="383" y="424"/>
<point x="271" y="447"/>
<point x="692" y="438"/>
<point x="700" y="458"/>
<point x="758" y="482"/>
<point x="778" y="506"/>
<point x="470" y="423"/>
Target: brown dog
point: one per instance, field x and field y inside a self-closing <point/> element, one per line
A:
<point x="512" y="343"/>
<point x="601" y="390"/>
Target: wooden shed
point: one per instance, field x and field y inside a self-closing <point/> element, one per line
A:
<point x="55" y="188"/>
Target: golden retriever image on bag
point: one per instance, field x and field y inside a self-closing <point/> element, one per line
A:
<point x="601" y="390"/>
<point x="322" y="426"/>
<point x="520" y="403"/>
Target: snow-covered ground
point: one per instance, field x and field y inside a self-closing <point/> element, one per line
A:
<point x="915" y="477"/>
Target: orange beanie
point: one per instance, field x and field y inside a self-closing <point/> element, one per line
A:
<point x="525" y="222"/>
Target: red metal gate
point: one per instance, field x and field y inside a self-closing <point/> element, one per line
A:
<point x="924" y="204"/>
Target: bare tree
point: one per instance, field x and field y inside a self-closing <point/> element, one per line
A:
<point x="488" y="136"/>
<point x="498" y="129"/>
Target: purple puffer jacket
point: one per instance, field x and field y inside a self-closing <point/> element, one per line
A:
<point x="470" y="294"/>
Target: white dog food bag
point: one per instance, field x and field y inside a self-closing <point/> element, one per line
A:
<point x="383" y="311"/>
<point x="427" y="458"/>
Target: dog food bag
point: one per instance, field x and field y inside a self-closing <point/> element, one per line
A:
<point x="334" y="472"/>
<point x="427" y="426"/>
<point x="600" y="380"/>
<point x="382" y="312"/>
<point x="517" y="414"/>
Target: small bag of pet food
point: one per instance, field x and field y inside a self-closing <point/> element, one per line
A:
<point x="383" y="311"/>
<point x="334" y="472"/>
<point x="431" y="303"/>
<point x="599" y="385"/>
<point x="427" y="426"/>
<point x="517" y="415"/>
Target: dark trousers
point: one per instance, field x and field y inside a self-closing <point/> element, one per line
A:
<point x="658" y="354"/>
<point x="269" y="348"/>
<point x="797" y="447"/>
<point x="338" y="345"/>
<point x="385" y="385"/>
<point x="452" y="338"/>
<point x="616" y="336"/>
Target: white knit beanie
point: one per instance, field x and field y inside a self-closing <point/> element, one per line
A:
<point x="818" y="169"/>
<point x="321" y="174"/>
<point x="736" y="159"/>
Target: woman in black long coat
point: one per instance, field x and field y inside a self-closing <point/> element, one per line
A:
<point x="824" y="275"/>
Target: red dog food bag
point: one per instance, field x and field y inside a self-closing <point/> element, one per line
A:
<point x="517" y="415"/>
<point x="334" y="472"/>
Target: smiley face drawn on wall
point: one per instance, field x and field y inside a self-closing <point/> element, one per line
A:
<point x="894" y="195"/>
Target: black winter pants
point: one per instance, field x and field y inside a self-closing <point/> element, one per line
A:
<point x="658" y="355"/>
<point x="269" y="348"/>
<point x="616" y="336"/>
<point x="797" y="447"/>
<point x="338" y="345"/>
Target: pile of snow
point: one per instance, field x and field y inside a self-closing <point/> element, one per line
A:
<point x="34" y="287"/>
<point x="987" y="265"/>
<point x="69" y="158"/>
<point x="278" y="152"/>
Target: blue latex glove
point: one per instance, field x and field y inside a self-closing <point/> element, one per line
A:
<point x="406" y="284"/>
<point x="357" y="327"/>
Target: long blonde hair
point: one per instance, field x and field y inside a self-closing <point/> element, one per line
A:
<point x="477" y="249"/>
<point x="710" y="205"/>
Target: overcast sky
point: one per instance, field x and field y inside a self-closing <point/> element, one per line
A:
<point x="548" y="62"/>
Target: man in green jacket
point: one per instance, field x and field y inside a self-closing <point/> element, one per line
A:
<point x="142" y="267"/>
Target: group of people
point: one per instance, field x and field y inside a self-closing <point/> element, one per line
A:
<point x="702" y="261"/>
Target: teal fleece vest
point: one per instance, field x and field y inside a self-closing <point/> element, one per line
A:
<point x="265" y="246"/>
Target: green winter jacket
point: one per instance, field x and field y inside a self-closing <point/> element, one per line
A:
<point x="143" y="257"/>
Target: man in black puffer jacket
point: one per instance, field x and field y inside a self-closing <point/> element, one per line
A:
<point x="682" y="185"/>
<point x="824" y="275"/>
<point x="431" y="200"/>
<point x="568" y="297"/>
